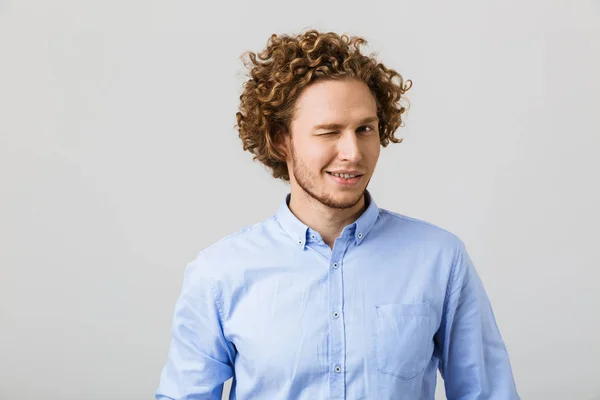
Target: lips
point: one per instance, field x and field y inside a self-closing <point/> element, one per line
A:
<point x="343" y="181"/>
<point x="346" y="171"/>
<point x="345" y="174"/>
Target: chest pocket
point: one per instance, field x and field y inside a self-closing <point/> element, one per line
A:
<point x="403" y="341"/>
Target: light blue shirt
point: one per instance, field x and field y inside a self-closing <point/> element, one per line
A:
<point x="373" y="318"/>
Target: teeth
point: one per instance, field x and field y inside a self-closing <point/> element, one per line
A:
<point x="346" y="176"/>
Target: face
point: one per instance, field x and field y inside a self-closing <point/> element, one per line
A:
<point x="334" y="143"/>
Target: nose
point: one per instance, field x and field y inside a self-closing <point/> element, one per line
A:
<point x="349" y="147"/>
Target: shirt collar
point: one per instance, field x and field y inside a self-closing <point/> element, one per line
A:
<point x="301" y="233"/>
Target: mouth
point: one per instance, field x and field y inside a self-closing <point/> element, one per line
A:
<point x="345" y="179"/>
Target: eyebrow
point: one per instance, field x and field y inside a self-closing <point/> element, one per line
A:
<point x="339" y="126"/>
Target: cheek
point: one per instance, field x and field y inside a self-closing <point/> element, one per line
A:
<point x="376" y="153"/>
<point x="372" y="152"/>
<point x="319" y="156"/>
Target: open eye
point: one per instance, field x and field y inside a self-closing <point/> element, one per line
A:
<point x="366" y="129"/>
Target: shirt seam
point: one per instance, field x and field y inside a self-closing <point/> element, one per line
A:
<point x="451" y="289"/>
<point x="213" y="293"/>
<point x="247" y="230"/>
<point x="416" y="220"/>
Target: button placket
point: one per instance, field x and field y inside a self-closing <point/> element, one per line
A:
<point x="337" y="342"/>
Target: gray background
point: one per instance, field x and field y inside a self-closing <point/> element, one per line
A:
<point x="119" y="162"/>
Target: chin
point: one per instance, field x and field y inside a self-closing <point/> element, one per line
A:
<point x="346" y="198"/>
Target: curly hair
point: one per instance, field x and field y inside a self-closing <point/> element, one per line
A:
<point x="287" y="65"/>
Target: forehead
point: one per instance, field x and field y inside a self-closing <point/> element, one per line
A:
<point x="331" y="101"/>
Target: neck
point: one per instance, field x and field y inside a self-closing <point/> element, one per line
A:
<point x="329" y="222"/>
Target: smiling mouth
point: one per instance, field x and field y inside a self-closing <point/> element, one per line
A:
<point x="344" y="176"/>
<point x="345" y="180"/>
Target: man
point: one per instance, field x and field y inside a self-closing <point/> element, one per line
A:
<point x="332" y="297"/>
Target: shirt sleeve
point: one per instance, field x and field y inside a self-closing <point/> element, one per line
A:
<point x="474" y="360"/>
<point x="200" y="358"/>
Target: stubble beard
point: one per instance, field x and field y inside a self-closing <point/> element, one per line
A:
<point x="304" y="179"/>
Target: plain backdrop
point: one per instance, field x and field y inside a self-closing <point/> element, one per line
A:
<point x="119" y="161"/>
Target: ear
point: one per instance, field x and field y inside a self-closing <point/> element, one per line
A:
<point x="282" y="143"/>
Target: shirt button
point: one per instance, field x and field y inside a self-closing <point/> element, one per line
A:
<point x="335" y="265"/>
<point x="299" y="241"/>
<point x="337" y="368"/>
<point x="359" y="235"/>
<point x="336" y="314"/>
<point x="313" y="236"/>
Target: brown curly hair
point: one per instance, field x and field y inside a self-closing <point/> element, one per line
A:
<point x="289" y="64"/>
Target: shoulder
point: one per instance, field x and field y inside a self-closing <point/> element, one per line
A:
<point x="429" y="239"/>
<point x="246" y="239"/>
<point x="248" y="242"/>
<point x="418" y="232"/>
